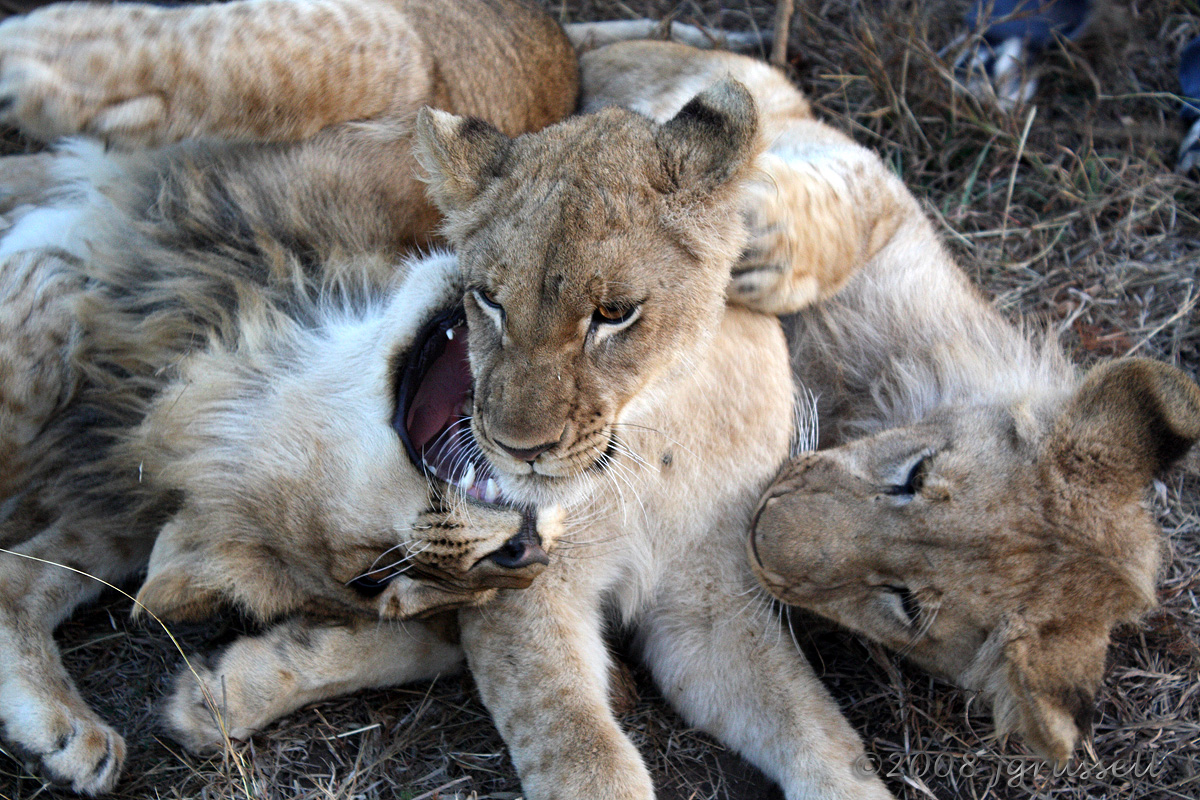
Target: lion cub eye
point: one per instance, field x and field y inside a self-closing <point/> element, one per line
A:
<point x="913" y="479"/>
<point x="904" y="604"/>
<point x="489" y="305"/>
<point x="616" y="317"/>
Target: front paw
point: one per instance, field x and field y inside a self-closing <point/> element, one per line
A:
<point x="56" y="80"/>
<point x="196" y="712"/>
<point x="66" y="747"/>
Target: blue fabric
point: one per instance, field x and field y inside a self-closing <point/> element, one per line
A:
<point x="1035" y="21"/>
<point x="1189" y="80"/>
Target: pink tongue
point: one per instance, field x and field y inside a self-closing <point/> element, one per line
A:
<point x="441" y="393"/>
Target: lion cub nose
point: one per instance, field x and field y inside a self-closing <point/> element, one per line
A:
<point x="522" y="550"/>
<point x="527" y="454"/>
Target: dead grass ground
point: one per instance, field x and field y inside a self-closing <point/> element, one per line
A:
<point x="1069" y="214"/>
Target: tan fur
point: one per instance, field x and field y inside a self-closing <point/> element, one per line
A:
<point x="137" y="74"/>
<point x="258" y="679"/>
<point x="640" y="219"/>
<point x="260" y="70"/>
<point x="1024" y="539"/>
<point x="36" y="334"/>
<point x="206" y="340"/>
<point x="25" y="180"/>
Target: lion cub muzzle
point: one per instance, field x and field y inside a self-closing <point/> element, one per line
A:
<point x="434" y="408"/>
<point x="514" y="566"/>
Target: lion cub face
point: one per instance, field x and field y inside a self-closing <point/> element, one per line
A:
<point x="987" y="546"/>
<point x="321" y="468"/>
<point x="595" y="256"/>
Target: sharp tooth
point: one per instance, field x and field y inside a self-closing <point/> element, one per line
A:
<point x="449" y="333"/>
<point x="490" y="491"/>
<point x="468" y="478"/>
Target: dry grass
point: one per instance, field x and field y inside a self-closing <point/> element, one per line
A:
<point x="1071" y="215"/>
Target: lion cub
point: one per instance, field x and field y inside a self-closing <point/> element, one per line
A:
<point x="982" y="511"/>
<point x="215" y="361"/>
<point x="577" y="243"/>
<point x="603" y="265"/>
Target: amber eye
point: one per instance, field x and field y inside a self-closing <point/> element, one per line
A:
<point x="487" y="298"/>
<point x="609" y="313"/>
<point x="616" y="315"/>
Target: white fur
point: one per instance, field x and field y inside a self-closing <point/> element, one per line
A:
<point x="48" y="228"/>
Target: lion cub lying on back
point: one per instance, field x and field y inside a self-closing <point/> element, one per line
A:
<point x="224" y="345"/>
<point x="983" y="512"/>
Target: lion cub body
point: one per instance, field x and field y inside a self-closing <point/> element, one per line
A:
<point x="614" y="374"/>
<point x="201" y="346"/>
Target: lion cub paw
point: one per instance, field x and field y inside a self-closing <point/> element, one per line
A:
<point x="763" y="270"/>
<point x="814" y="219"/>
<point x="65" y="746"/>
<point x="196" y="712"/>
<point x="53" y="84"/>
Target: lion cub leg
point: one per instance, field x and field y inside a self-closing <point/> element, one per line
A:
<point x="36" y="332"/>
<point x="139" y="75"/>
<point x="259" y="679"/>
<point x="42" y="716"/>
<point x="741" y="680"/>
<point x="821" y="208"/>
<point x="540" y="662"/>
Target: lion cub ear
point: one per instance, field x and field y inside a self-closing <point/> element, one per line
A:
<point x="1041" y="681"/>
<point x="710" y="141"/>
<point x="460" y="155"/>
<point x="1129" y="420"/>
<point x="195" y="571"/>
<point x="179" y="582"/>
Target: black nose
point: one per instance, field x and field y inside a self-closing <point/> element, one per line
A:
<point x="522" y="550"/>
<point x="527" y="454"/>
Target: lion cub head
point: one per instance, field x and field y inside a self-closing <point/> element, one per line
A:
<point x="595" y="256"/>
<point x="988" y="545"/>
<point x="324" y="466"/>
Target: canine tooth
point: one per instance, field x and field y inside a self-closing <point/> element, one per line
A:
<point x="449" y="333"/>
<point x="468" y="478"/>
<point x="490" y="491"/>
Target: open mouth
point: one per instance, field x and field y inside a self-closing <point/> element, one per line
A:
<point x="433" y="410"/>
